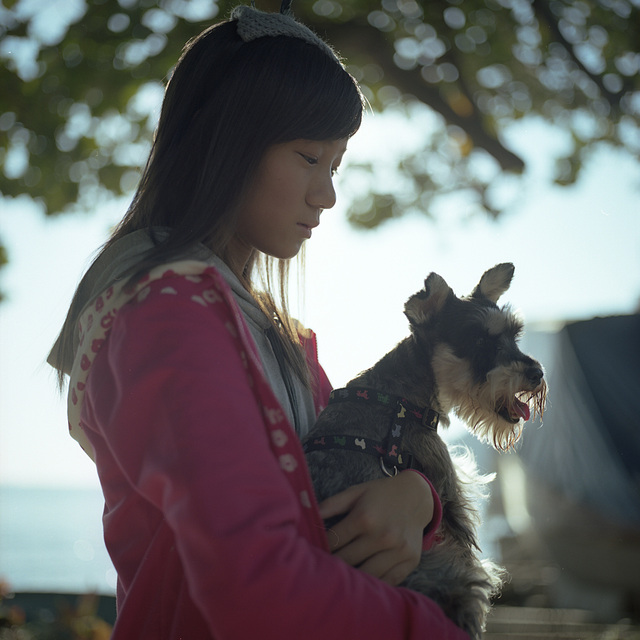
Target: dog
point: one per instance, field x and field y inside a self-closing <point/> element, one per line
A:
<point x="462" y="355"/>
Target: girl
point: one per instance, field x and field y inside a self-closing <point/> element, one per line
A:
<point x="190" y="388"/>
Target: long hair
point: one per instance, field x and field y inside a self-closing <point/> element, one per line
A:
<point x="226" y="103"/>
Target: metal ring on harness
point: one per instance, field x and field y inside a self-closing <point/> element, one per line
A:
<point x="386" y="471"/>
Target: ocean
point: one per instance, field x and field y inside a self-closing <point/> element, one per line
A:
<point x="51" y="541"/>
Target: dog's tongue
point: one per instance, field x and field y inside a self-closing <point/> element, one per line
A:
<point x="521" y="409"/>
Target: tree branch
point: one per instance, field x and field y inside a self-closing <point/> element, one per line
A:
<point x="545" y="14"/>
<point x="372" y="43"/>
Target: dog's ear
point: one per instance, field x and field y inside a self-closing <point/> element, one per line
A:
<point x="423" y="305"/>
<point x="494" y="282"/>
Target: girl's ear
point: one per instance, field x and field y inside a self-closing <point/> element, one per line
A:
<point x="494" y="282"/>
<point x="424" y="305"/>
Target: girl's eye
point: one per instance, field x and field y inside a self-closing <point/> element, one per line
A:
<point x="310" y="159"/>
<point x="313" y="160"/>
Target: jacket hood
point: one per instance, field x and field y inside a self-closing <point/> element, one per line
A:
<point x="115" y="263"/>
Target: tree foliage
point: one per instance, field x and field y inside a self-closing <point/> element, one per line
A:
<point x="81" y="89"/>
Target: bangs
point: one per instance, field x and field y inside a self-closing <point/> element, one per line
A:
<point x="325" y="101"/>
<point x="306" y="94"/>
<point x="332" y="112"/>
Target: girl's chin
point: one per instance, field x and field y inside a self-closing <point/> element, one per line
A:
<point x="285" y="254"/>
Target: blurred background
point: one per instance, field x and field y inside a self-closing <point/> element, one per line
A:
<point x="499" y="130"/>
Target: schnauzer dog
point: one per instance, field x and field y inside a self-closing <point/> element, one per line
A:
<point x="462" y="356"/>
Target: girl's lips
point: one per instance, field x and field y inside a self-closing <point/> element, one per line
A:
<point x="306" y="229"/>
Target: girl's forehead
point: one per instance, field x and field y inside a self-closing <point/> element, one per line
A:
<point x="335" y="147"/>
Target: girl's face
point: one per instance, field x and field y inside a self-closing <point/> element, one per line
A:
<point x="292" y="186"/>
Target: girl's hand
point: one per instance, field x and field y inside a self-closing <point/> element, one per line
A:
<point x="384" y="526"/>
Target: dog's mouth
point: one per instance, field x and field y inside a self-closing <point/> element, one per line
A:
<point x="514" y="410"/>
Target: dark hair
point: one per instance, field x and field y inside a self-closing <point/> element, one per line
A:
<point x="226" y="103"/>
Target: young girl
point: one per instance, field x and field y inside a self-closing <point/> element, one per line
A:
<point x="189" y="388"/>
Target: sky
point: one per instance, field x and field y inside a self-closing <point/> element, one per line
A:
<point x="576" y="251"/>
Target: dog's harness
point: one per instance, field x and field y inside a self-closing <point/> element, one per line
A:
<point x="388" y="452"/>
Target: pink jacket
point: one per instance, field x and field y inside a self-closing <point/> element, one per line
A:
<point x="210" y="517"/>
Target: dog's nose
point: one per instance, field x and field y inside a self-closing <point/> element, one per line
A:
<point x="534" y="375"/>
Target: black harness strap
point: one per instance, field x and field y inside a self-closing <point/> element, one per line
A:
<point x="389" y="451"/>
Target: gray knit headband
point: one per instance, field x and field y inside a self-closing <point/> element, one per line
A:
<point x="253" y="24"/>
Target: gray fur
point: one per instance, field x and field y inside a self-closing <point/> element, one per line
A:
<point x="451" y="572"/>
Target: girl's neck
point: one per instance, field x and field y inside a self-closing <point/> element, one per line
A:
<point x="237" y="256"/>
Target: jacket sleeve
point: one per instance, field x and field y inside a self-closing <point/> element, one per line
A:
<point x="171" y="396"/>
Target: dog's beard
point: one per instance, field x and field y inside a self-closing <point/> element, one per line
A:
<point x="494" y="410"/>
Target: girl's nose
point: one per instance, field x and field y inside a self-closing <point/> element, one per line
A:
<point x="322" y="194"/>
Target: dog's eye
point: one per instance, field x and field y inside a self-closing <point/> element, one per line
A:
<point x="480" y="342"/>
